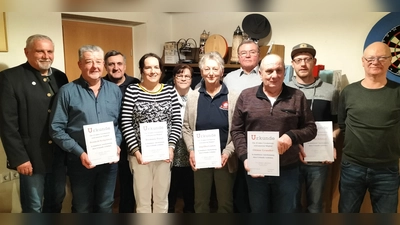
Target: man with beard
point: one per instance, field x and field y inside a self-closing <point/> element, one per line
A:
<point x="26" y="95"/>
<point x="323" y="100"/>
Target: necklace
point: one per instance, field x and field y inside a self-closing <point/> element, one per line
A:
<point x="151" y="92"/>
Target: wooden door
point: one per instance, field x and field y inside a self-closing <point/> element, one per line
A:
<point x="108" y="37"/>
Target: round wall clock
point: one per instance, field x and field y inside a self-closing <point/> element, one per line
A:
<point x="387" y="30"/>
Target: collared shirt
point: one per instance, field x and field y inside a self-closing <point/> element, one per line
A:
<point x="212" y="113"/>
<point x="76" y="105"/>
<point x="238" y="80"/>
<point x="289" y="115"/>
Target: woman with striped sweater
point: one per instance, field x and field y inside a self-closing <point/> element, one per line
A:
<point x="148" y="102"/>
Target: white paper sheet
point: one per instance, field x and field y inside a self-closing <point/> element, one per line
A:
<point x="101" y="144"/>
<point x="262" y="153"/>
<point x="207" y="148"/>
<point x="320" y="149"/>
<point x="154" y="141"/>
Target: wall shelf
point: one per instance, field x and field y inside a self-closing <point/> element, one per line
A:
<point x="228" y="67"/>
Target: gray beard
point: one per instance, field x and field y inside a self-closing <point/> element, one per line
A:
<point x="44" y="65"/>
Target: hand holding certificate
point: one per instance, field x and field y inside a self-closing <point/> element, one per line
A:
<point x="320" y="149"/>
<point x="101" y="144"/>
<point x="207" y="148"/>
<point x="262" y="153"/>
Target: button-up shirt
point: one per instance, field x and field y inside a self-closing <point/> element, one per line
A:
<point x="238" y="80"/>
<point x="76" y="105"/>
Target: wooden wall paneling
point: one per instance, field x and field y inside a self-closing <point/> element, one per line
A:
<point x="108" y="37"/>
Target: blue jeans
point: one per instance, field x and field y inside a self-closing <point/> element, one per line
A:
<point x="314" y="178"/>
<point x="274" y="194"/>
<point x="92" y="189"/>
<point x="382" y="184"/>
<point x="48" y="188"/>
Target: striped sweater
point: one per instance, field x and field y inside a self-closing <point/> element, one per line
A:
<point x="139" y="106"/>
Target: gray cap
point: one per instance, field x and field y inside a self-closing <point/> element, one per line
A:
<point x="303" y="47"/>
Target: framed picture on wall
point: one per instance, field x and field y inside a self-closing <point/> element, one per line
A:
<point x="3" y="33"/>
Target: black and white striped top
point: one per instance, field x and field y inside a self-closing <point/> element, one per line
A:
<point x="139" y="106"/>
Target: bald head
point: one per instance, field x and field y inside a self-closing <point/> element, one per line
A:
<point x="377" y="48"/>
<point x="272" y="73"/>
<point x="376" y="59"/>
<point x="272" y="59"/>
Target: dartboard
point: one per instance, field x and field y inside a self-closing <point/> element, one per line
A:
<point x="387" y="30"/>
<point x="392" y="39"/>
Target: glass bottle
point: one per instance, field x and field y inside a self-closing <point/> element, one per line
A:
<point x="237" y="39"/>
<point x="203" y="39"/>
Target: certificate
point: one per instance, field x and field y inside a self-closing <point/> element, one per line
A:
<point x="320" y="149"/>
<point x="100" y="141"/>
<point x="154" y="141"/>
<point x="207" y="148"/>
<point x="262" y="153"/>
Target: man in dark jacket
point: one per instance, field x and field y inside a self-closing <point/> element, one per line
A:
<point x="26" y="96"/>
<point x="273" y="106"/>
<point x="115" y="64"/>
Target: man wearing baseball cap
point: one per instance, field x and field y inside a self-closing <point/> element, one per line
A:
<point x="322" y="98"/>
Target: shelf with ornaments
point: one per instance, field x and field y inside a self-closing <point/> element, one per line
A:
<point x="276" y="49"/>
<point x="228" y="67"/>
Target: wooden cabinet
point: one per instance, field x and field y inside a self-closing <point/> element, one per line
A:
<point x="276" y="49"/>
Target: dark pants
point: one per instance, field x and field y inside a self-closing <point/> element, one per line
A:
<point x="272" y="194"/>
<point x="314" y="178"/>
<point x="240" y="192"/>
<point x="203" y="181"/>
<point x="382" y="184"/>
<point x="92" y="189"/>
<point x="45" y="192"/>
<point x="181" y="180"/>
<point x="127" y="201"/>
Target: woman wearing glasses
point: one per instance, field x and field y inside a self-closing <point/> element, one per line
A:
<point x="181" y="172"/>
<point x="211" y="107"/>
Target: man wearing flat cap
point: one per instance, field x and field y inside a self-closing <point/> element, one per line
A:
<point x="323" y="99"/>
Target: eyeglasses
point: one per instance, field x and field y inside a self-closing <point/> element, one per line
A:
<point x="183" y="76"/>
<point x="244" y="53"/>
<point x="380" y="59"/>
<point x="306" y="60"/>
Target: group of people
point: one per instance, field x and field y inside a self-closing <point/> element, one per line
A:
<point x="42" y="118"/>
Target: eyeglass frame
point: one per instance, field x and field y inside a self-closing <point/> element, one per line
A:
<point x="251" y="53"/>
<point x="299" y="60"/>
<point x="380" y="59"/>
